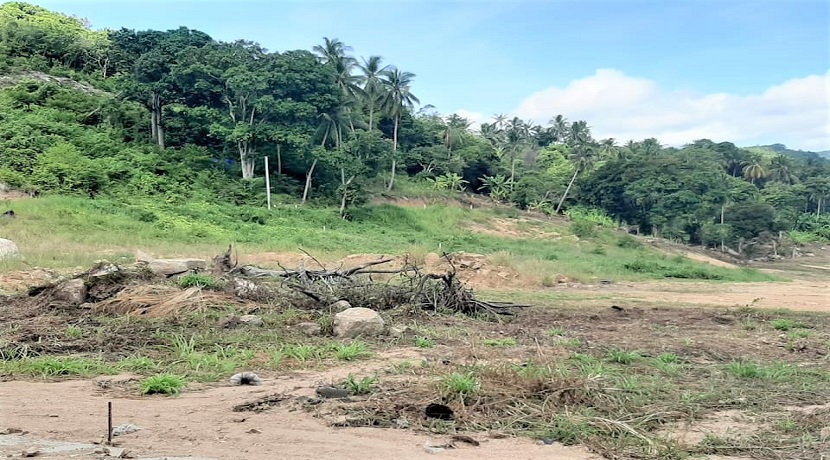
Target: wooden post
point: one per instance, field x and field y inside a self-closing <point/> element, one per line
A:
<point x="109" y="423"/>
<point x="267" y="183"/>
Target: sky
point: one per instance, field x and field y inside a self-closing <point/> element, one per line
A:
<point x="749" y="72"/>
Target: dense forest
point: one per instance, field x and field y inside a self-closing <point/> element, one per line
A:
<point x="180" y="117"/>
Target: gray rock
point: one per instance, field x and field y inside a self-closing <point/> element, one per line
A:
<point x="340" y="305"/>
<point x="251" y="320"/>
<point x="310" y="329"/>
<point x="71" y="291"/>
<point x="170" y="267"/>
<point x="399" y="332"/>
<point x="356" y="322"/>
<point x="127" y="428"/>
<point x="8" y="250"/>
<point x="333" y="392"/>
<point x="103" y="269"/>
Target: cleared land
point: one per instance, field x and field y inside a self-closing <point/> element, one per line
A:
<point x="614" y="364"/>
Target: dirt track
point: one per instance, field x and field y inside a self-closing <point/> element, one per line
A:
<point x="202" y="424"/>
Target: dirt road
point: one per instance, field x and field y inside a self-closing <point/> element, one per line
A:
<point x="202" y="424"/>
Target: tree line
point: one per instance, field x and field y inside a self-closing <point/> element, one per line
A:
<point x="179" y="115"/>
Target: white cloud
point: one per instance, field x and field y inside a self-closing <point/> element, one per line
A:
<point x="796" y="112"/>
<point x="476" y="117"/>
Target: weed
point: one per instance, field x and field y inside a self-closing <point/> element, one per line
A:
<point x="301" y="352"/>
<point x="800" y="334"/>
<point x="622" y="357"/>
<point x="571" y="342"/>
<point x="199" y="280"/>
<point x="745" y="370"/>
<point x="184" y="346"/>
<point x="555" y="332"/>
<point x="669" y="358"/>
<point x="505" y="342"/>
<point x="424" y="342"/>
<point x="74" y="332"/>
<point x="459" y="384"/>
<point x="362" y="386"/>
<point x="629" y="242"/>
<point x="352" y="351"/>
<point x="167" y="384"/>
<point x="326" y="323"/>
<point x="782" y="324"/>
<point x="61" y="365"/>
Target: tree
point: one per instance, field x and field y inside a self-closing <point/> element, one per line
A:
<point x="781" y="170"/>
<point x="754" y="171"/>
<point x="583" y="157"/>
<point x="456" y="127"/>
<point x="396" y="100"/>
<point x="372" y="85"/>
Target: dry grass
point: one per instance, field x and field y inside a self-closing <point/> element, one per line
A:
<point x="161" y="301"/>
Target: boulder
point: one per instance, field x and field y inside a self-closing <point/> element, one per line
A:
<point x="356" y="322"/>
<point x="71" y="291"/>
<point x="170" y="267"/>
<point x="340" y="305"/>
<point x="8" y="250"/>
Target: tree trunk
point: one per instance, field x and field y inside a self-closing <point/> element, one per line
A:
<point x="345" y="191"/>
<point x="279" y="160"/>
<point x="246" y="159"/>
<point x="371" y="116"/>
<point x="308" y="180"/>
<point x="394" y="154"/>
<point x="568" y="189"/>
<point x="156" y="128"/>
<point x="722" y="242"/>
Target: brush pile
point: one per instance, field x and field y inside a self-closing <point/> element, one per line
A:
<point x="382" y="284"/>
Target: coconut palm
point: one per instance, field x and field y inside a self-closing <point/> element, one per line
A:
<point x="579" y="133"/>
<point x="559" y="128"/>
<point x="335" y="54"/>
<point x="781" y="170"/>
<point x="397" y="98"/>
<point x="583" y="157"/>
<point x="499" y="120"/>
<point x="372" y="69"/>
<point x="608" y="148"/>
<point x="754" y="171"/>
<point x="455" y="127"/>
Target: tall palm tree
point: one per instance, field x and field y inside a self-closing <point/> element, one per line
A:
<point x="517" y="134"/>
<point x="582" y="157"/>
<point x="455" y="127"/>
<point x="608" y="148"/>
<point x="650" y="147"/>
<point x="754" y="171"/>
<point x="499" y="120"/>
<point x="397" y="98"/>
<point x="579" y="133"/>
<point x="373" y="70"/>
<point x="335" y="54"/>
<point x="559" y="128"/>
<point x="781" y="170"/>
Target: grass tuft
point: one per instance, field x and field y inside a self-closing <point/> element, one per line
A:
<point x="166" y="384"/>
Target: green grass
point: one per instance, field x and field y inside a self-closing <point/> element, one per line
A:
<point x="459" y="384"/>
<point x="505" y="342"/>
<point x="47" y="231"/>
<point x="362" y="386"/>
<point x="623" y="357"/>
<point x="302" y="352"/>
<point x="198" y="280"/>
<point x="74" y="332"/>
<point x="56" y="366"/>
<point x="166" y="384"/>
<point x="555" y="332"/>
<point x="351" y="351"/>
<point x="424" y="342"/>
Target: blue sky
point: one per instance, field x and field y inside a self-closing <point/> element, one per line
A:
<point x="716" y="68"/>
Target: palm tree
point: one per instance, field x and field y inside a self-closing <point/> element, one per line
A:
<point x="781" y="170"/>
<point x="398" y="97"/>
<point x="455" y="127"/>
<point x="559" y="128"/>
<point x="579" y="133"/>
<point x="632" y="147"/>
<point x="754" y="171"/>
<point x="335" y="54"/>
<point x="650" y="147"/>
<point x="583" y="157"/>
<point x="372" y="85"/>
<point x="499" y="120"/>
<point x="517" y="133"/>
<point x="608" y="148"/>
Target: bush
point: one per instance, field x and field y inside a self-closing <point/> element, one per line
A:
<point x="629" y="242"/>
<point x="583" y="228"/>
<point x="593" y="215"/>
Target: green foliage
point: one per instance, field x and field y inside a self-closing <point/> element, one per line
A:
<point x="593" y="215"/>
<point x="200" y="280"/>
<point x="352" y="351"/>
<point x="165" y="384"/>
<point x="424" y="342"/>
<point x="458" y="384"/>
<point x="504" y="342"/>
<point x="362" y="386"/>
<point x="584" y="228"/>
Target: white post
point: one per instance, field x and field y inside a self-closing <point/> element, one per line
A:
<point x="267" y="183"/>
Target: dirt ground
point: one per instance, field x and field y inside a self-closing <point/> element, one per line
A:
<point x="201" y="423"/>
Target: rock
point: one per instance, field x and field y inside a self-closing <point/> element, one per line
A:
<point x="30" y="452"/>
<point x="246" y="378"/>
<point x="8" y="250"/>
<point x="330" y="392"/>
<point x="170" y="267"/>
<point x="401" y="423"/>
<point x="356" y="322"/>
<point x="116" y="452"/>
<point x="251" y="320"/>
<point x="12" y="431"/>
<point x="310" y="329"/>
<point x="127" y="428"/>
<point x="103" y="269"/>
<point x="244" y="288"/>
<point x="402" y="332"/>
<point x="340" y="305"/>
<point x="71" y="291"/>
<point x="430" y="449"/>
<point x="141" y="256"/>
<point x="254" y="431"/>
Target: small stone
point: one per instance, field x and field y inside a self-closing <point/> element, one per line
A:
<point x="340" y="305"/>
<point x="254" y="431"/>
<point x="310" y="329"/>
<point x="401" y="423"/>
<point x="30" y="452"/>
<point x="8" y="249"/>
<point x="117" y="452"/>
<point x="329" y="391"/>
<point x="251" y="320"/>
<point x="170" y="267"/>
<point x="238" y="419"/>
<point x="12" y="431"/>
<point x="246" y="378"/>
<point x="402" y="332"/>
<point x="103" y="269"/>
<point x="547" y="441"/>
<point x="430" y="449"/>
